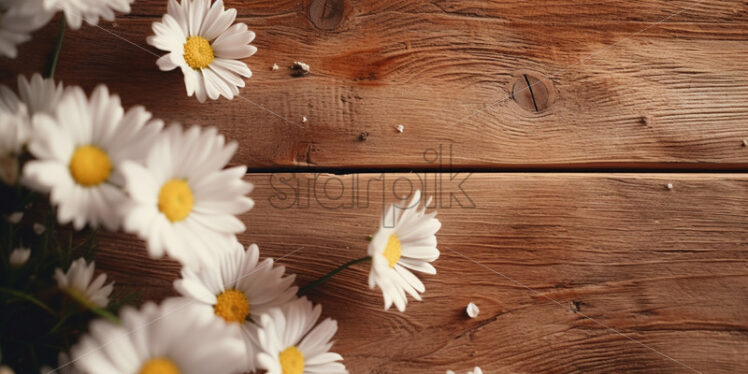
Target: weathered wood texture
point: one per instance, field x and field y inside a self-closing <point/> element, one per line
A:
<point x="652" y="84"/>
<point x="656" y="84"/>
<point x="666" y="268"/>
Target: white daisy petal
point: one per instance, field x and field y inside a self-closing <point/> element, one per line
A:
<point x="18" y="19"/>
<point x="165" y="63"/>
<point x="218" y="21"/>
<point x="14" y="133"/>
<point x="89" y="10"/>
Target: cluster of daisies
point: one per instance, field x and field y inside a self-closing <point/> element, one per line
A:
<point x="201" y="38"/>
<point x="104" y="166"/>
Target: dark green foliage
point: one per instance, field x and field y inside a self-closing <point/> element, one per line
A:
<point x="37" y="319"/>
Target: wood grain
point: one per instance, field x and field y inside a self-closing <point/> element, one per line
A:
<point x="538" y="253"/>
<point x="662" y="85"/>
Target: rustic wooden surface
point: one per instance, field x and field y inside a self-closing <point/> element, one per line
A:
<point x="667" y="268"/>
<point x="600" y="272"/>
<point x="663" y="84"/>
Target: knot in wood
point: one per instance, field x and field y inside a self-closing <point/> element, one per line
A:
<point x="326" y="14"/>
<point x="532" y="92"/>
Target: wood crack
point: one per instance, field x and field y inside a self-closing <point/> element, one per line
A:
<point x="532" y="95"/>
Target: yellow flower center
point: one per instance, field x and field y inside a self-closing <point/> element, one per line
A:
<point x="175" y="200"/>
<point x="90" y="165"/>
<point x="159" y="365"/>
<point x="291" y="360"/>
<point x="393" y="251"/>
<point x="232" y="305"/>
<point x="197" y="52"/>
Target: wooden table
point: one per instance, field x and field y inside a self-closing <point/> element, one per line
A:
<point x="590" y="159"/>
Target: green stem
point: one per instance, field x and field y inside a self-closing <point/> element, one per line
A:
<point x="58" y="324"/>
<point x="28" y="298"/>
<point x="58" y="48"/>
<point x="90" y="306"/>
<point x="305" y="288"/>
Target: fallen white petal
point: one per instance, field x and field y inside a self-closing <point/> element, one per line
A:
<point x="472" y="310"/>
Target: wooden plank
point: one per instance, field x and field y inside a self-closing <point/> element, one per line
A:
<point x="547" y="11"/>
<point x="667" y="268"/>
<point x="625" y="91"/>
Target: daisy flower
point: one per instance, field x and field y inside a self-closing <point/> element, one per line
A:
<point x="183" y="201"/>
<point x="18" y="19"/>
<point x="290" y="345"/>
<point x="40" y="95"/>
<point x="76" y="11"/>
<point x="239" y="289"/>
<point x="78" y="280"/>
<point x="175" y="338"/>
<point x="205" y="43"/>
<point x="19" y="256"/>
<point x="397" y="249"/>
<point x="14" y="133"/>
<point x="78" y="152"/>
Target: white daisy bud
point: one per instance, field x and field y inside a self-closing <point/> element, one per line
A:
<point x="39" y="228"/>
<point x="15" y="217"/>
<point x="476" y="370"/>
<point x="19" y="256"/>
<point x="472" y="310"/>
